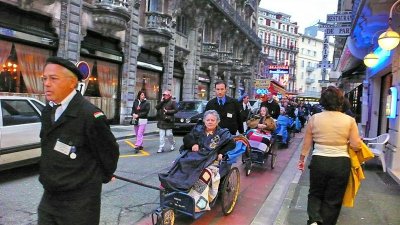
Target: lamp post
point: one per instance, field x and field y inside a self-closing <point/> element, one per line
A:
<point x="390" y="39"/>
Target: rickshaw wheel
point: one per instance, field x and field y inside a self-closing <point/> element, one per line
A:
<point x="247" y="167"/>
<point x="273" y="160"/>
<point x="230" y="191"/>
<point x="167" y="218"/>
<point x="274" y="146"/>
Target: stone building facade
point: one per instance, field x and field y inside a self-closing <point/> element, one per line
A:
<point x="132" y="45"/>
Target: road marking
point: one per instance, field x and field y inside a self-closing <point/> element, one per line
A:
<point x="141" y="152"/>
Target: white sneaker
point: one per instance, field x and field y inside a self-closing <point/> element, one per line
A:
<point x="160" y="150"/>
<point x="315" y="223"/>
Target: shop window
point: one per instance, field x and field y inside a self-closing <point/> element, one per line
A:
<point x="22" y="68"/>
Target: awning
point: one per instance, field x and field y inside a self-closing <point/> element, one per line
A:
<point x="275" y="88"/>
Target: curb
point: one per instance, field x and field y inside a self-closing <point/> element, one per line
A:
<point x="276" y="207"/>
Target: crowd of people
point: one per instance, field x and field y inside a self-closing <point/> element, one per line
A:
<point x="80" y="153"/>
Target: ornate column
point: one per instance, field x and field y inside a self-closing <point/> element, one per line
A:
<point x="70" y="29"/>
<point x="129" y="69"/>
<point x="169" y="57"/>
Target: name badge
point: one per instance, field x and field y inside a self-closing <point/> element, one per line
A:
<point x="229" y="115"/>
<point x="62" y="148"/>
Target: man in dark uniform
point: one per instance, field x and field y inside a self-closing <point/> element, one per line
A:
<point x="228" y="109"/>
<point x="272" y="106"/>
<point x="79" y="152"/>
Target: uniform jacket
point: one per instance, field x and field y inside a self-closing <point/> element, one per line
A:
<point x="254" y="121"/>
<point x="141" y="108"/>
<point x="273" y="108"/>
<point x="229" y="114"/>
<point x="356" y="173"/>
<point x="85" y="127"/>
<point x="166" y="119"/>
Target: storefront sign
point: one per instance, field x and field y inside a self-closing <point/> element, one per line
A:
<point x="339" y="18"/>
<point x="262" y="83"/>
<point x="338" y="31"/>
<point x="278" y="69"/>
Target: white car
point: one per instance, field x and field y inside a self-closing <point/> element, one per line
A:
<point x="19" y="131"/>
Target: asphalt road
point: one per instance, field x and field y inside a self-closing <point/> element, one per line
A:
<point x="122" y="202"/>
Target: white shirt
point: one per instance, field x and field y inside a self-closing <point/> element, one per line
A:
<point x="64" y="104"/>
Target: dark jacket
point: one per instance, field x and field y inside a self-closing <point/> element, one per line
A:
<point x="83" y="127"/>
<point x="273" y="108"/>
<point x="229" y="114"/>
<point x="141" y="108"/>
<point x="166" y="119"/>
<point x="244" y="113"/>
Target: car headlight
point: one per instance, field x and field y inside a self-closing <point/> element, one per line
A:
<point x="182" y="120"/>
<point x="188" y="120"/>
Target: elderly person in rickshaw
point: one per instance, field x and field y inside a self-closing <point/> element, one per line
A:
<point x="206" y="143"/>
<point x="261" y="128"/>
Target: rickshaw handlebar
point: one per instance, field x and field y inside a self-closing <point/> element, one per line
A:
<point x="138" y="183"/>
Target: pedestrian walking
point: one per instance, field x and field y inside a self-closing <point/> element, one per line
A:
<point x="140" y="110"/>
<point x="79" y="152"/>
<point x="228" y="109"/>
<point x="166" y="109"/>
<point x="272" y="106"/>
<point x="331" y="131"/>
<point x="246" y="109"/>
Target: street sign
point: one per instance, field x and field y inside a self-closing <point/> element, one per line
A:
<point x="325" y="25"/>
<point x="339" y="18"/>
<point x="262" y="83"/>
<point x="338" y="31"/>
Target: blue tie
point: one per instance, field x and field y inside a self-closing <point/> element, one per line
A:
<point x="220" y="102"/>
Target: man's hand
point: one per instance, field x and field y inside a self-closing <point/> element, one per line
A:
<point x="195" y="148"/>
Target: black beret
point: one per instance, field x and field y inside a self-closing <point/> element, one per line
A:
<point x="66" y="64"/>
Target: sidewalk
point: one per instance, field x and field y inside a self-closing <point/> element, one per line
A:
<point x="377" y="202"/>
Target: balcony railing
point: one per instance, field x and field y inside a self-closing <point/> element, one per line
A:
<point x="114" y="3"/>
<point x="231" y="13"/>
<point x="111" y="15"/>
<point x="281" y="45"/>
<point x="157" y="20"/>
<point x="209" y="49"/>
<point x="225" y="57"/>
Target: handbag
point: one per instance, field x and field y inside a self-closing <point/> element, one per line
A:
<point x="134" y="121"/>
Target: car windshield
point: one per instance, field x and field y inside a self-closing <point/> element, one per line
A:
<point x="190" y="106"/>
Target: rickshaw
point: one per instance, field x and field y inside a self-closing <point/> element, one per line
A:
<point x="174" y="201"/>
<point x="260" y="153"/>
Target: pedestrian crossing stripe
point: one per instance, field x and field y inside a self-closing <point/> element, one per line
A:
<point x="141" y="152"/>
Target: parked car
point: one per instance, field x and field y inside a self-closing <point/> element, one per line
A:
<point x="189" y="113"/>
<point x="19" y="131"/>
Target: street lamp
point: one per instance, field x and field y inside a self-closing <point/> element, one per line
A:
<point x="371" y="59"/>
<point x="390" y="39"/>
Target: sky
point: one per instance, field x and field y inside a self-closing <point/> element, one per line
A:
<point x="304" y="12"/>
